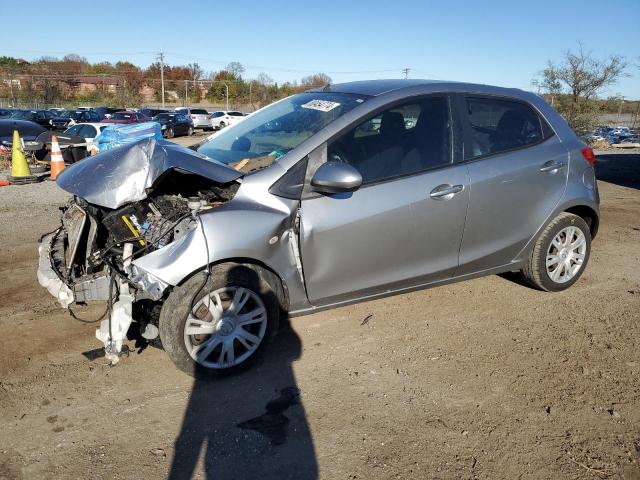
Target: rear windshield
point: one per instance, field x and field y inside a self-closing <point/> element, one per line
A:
<point x="23" y="114"/>
<point x="123" y="116"/>
<point x="199" y="111"/>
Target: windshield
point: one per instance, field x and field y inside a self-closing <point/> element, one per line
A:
<point x="270" y="133"/>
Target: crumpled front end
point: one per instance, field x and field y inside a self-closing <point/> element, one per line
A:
<point x="89" y="258"/>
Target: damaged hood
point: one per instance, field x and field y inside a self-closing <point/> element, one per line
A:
<point x="125" y="174"/>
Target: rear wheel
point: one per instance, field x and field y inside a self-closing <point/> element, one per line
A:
<point x="190" y="131"/>
<point x="560" y="254"/>
<point x="222" y="326"/>
<point x="222" y="125"/>
<point x="170" y="133"/>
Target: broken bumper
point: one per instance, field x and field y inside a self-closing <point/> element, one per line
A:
<point x="82" y="290"/>
<point x="47" y="276"/>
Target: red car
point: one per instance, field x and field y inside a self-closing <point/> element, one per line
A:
<point x="125" y="117"/>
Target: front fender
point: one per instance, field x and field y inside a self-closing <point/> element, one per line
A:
<point x="233" y="231"/>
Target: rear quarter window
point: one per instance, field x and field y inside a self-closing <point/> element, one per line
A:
<point x="498" y="125"/>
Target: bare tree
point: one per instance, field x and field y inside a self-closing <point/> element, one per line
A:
<point x="580" y="76"/>
<point x="195" y="71"/>
<point x="316" y="80"/>
<point x="235" y="68"/>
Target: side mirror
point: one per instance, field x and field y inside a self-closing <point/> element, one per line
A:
<point x="336" y="177"/>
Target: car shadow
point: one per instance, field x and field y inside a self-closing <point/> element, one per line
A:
<point x="249" y="425"/>
<point x="619" y="168"/>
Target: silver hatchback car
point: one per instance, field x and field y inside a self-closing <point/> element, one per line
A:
<point x="343" y="194"/>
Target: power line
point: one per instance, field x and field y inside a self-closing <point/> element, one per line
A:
<point x="60" y="52"/>
<point x="217" y="62"/>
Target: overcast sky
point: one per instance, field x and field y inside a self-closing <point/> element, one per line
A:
<point x="501" y="42"/>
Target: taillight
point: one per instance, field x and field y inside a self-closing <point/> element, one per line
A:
<point x="193" y="117"/>
<point x="589" y="156"/>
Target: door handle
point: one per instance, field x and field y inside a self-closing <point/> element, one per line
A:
<point x="445" y="191"/>
<point x="552" y="166"/>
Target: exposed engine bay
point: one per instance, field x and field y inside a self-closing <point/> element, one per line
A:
<point x="89" y="257"/>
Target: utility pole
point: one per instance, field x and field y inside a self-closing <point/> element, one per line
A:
<point x="406" y="71"/>
<point x="186" y="89"/>
<point x="620" y="110"/>
<point x="161" y="58"/>
<point x="227" y="92"/>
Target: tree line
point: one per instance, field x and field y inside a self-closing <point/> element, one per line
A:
<point x="54" y="81"/>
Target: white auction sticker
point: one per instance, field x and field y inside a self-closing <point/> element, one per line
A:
<point x="322" y="105"/>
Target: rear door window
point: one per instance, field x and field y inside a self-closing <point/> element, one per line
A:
<point x="73" y="130"/>
<point x="498" y="125"/>
<point x="88" y="131"/>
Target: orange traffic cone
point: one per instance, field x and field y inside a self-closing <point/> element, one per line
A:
<point x="57" y="162"/>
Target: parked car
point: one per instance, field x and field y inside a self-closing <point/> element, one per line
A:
<point x="124" y="117"/>
<point x="152" y="112"/>
<point x="74" y="142"/>
<point x="323" y="214"/>
<point x="221" y="119"/>
<point x="27" y="130"/>
<point x="173" y="124"/>
<point x="105" y="112"/>
<point x="69" y="118"/>
<point x="56" y="111"/>
<point x="199" y="116"/>
<point x="41" y="117"/>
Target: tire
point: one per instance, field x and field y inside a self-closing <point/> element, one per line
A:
<point x="190" y="131"/>
<point x="170" y="133"/>
<point x="538" y="274"/>
<point x="221" y="125"/>
<point x="263" y="290"/>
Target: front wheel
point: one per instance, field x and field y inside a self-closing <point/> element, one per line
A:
<point x="170" y="133"/>
<point x="221" y="326"/>
<point x="560" y="254"/>
<point x="190" y="131"/>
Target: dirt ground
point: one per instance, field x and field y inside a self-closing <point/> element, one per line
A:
<point x="481" y="379"/>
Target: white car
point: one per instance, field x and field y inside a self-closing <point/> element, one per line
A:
<point x="199" y="116"/>
<point x="222" y="118"/>
<point x="88" y="131"/>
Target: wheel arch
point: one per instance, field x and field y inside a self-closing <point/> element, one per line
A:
<point x="280" y="283"/>
<point x="588" y="214"/>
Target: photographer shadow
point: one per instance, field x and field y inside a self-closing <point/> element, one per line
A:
<point x="250" y="425"/>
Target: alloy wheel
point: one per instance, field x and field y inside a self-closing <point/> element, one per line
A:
<point x="225" y="327"/>
<point x="566" y="254"/>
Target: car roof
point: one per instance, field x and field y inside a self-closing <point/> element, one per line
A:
<point x="374" y="88"/>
